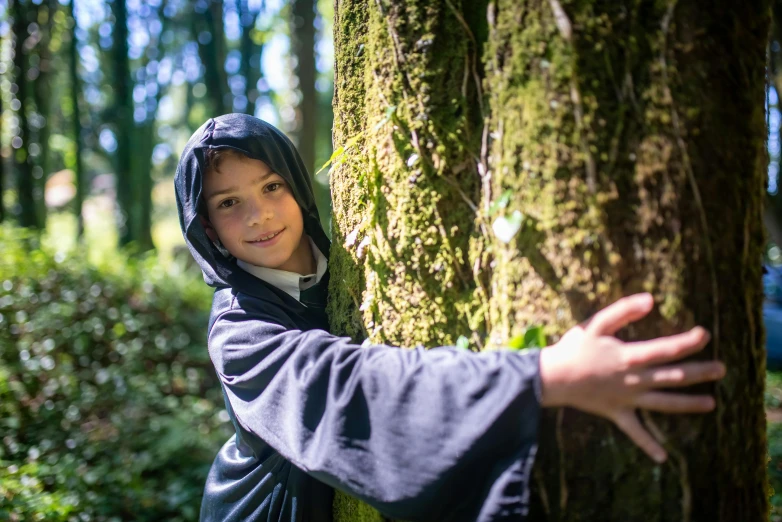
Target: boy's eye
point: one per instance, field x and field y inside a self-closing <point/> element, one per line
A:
<point x="227" y="203"/>
<point x="271" y="187"/>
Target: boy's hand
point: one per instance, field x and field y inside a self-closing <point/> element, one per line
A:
<point x="593" y="371"/>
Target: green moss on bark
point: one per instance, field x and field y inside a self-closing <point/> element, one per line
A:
<point x="621" y="132"/>
<point x="408" y="88"/>
<point x="417" y="173"/>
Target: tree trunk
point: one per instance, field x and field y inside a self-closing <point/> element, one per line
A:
<point x="123" y="122"/>
<point x="208" y="32"/>
<point x="302" y="26"/>
<point x="44" y="17"/>
<point x="78" y="169"/>
<point x="144" y="139"/>
<point x="622" y="139"/>
<point x="623" y="151"/>
<point x="28" y="216"/>
<point x="250" y="67"/>
<point x="404" y="198"/>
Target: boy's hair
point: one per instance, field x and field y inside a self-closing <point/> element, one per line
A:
<point x="213" y="158"/>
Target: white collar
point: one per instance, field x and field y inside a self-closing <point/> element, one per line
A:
<point x="290" y="282"/>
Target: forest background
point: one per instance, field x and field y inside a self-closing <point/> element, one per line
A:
<point x="109" y="409"/>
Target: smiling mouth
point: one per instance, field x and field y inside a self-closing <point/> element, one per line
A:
<point x="267" y="237"/>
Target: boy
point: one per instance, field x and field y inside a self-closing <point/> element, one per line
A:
<point x="420" y="435"/>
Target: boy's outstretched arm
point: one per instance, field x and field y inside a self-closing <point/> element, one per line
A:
<point x="418" y="434"/>
<point x="593" y="371"/>
<point x="432" y="435"/>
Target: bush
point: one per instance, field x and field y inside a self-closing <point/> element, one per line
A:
<point x="109" y="407"/>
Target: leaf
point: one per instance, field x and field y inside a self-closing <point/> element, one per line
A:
<point x="334" y="155"/>
<point x="501" y="202"/>
<point x="390" y="110"/>
<point x="533" y="337"/>
<point x="463" y="343"/>
<point x="337" y="157"/>
<point x="506" y="228"/>
<point x="516" y="342"/>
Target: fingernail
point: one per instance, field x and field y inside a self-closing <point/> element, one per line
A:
<point x="660" y="457"/>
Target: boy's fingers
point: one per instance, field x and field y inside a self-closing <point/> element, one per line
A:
<point x="675" y="402"/>
<point x="667" y="349"/>
<point x="683" y="374"/>
<point x="623" y="312"/>
<point x="629" y="423"/>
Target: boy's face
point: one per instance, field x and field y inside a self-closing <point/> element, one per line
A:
<point x="253" y="213"/>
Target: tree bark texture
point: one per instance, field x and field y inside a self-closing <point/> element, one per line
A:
<point x="408" y="108"/>
<point x="622" y="144"/>
<point x="631" y="135"/>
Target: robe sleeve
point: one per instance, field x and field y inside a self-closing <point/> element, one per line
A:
<point x="418" y="434"/>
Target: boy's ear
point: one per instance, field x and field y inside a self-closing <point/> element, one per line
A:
<point x="210" y="231"/>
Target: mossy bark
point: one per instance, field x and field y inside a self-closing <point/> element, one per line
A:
<point x="629" y="135"/>
<point x="406" y="92"/>
<point x="408" y="106"/>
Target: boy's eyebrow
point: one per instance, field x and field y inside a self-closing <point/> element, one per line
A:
<point x="256" y="181"/>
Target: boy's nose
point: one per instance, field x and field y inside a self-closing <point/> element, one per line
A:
<point x="258" y="213"/>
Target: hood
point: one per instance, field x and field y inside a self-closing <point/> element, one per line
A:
<point x="255" y="139"/>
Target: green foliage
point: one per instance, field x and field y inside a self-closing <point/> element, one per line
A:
<point x="533" y="337"/>
<point x="501" y="202"/>
<point x="109" y="408"/>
